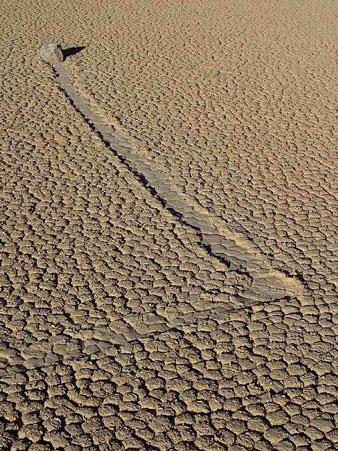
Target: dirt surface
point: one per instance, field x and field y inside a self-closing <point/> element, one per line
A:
<point x="168" y="237"/>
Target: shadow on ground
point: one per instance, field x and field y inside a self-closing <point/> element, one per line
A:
<point x="72" y="51"/>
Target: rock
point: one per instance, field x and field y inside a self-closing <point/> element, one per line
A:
<point x="51" y="53"/>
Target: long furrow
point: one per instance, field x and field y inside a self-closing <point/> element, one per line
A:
<point x="232" y="249"/>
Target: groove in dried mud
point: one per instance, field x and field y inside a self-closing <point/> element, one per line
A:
<point x="234" y="251"/>
<point x="92" y="346"/>
<point x="263" y="284"/>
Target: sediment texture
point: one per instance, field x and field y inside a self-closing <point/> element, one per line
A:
<point x="151" y="296"/>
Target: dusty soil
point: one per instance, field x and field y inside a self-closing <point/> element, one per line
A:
<point x="168" y="226"/>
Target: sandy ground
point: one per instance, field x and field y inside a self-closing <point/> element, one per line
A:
<point x="122" y="323"/>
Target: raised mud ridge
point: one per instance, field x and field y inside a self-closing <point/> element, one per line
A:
<point x="264" y="284"/>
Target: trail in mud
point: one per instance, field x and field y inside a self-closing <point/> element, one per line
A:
<point x="237" y="253"/>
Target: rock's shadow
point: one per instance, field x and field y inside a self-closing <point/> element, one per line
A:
<point x="72" y="51"/>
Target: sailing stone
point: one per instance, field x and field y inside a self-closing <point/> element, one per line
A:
<point x="51" y="53"/>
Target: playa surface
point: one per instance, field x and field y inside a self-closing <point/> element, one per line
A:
<point x="168" y="226"/>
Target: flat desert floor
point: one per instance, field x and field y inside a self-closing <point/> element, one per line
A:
<point x="169" y="211"/>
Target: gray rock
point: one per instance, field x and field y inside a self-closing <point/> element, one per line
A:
<point x="51" y="53"/>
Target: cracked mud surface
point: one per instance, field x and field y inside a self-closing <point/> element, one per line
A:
<point x="168" y="245"/>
